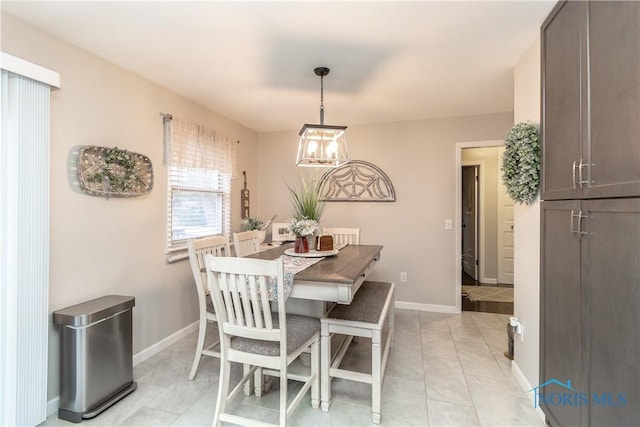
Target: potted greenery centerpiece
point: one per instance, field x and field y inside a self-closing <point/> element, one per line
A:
<point x="302" y="228"/>
<point x="305" y="199"/>
<point x="307" y="210"/>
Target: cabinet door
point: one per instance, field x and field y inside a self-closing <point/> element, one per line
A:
<point x="614" y="75"/>
<point x="562" y="89"/>
<point x="611" y="281"/>
<point x="560" y="308"/>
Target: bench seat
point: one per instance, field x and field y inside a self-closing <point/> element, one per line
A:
<point x="371" y="310"/>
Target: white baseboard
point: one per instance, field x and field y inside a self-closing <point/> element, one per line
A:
<point x="526" y="387"/>
<point x="54" y="404"/>
<point x="161" y="345"/>
<point x="427" y="307"/>
<point x="489" y="281"/>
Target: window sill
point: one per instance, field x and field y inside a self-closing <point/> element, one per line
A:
<point x="177" y="256"/>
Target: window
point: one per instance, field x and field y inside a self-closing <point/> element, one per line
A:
<point x="200" y="170"/>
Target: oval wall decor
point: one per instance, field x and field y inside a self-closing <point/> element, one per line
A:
<point x="114" y="172"/>
<point x="356" y="181"/>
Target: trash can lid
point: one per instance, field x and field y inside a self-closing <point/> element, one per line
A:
<point x="91" y="311"/>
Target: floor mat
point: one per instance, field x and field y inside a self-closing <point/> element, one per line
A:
<point x="488" y="293"/>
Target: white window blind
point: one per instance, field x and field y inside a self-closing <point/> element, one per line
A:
<point x="24" y="249"/>
<point x="201" y="165"/>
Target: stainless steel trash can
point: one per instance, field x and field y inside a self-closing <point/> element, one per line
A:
<point x="96" y="365"/>
<point x="510" y="331"/>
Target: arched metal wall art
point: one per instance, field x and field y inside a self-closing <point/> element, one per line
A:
<point x="356" y="181"/>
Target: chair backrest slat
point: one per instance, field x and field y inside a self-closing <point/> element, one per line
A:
<point x="264" y="300"/>
<point x="244" y="295"/>
<point x="227" y="297"/>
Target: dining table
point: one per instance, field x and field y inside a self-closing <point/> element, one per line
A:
<point x="335" y="278"/>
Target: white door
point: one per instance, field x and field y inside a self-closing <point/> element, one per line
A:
<point x="505" y="234"/>
<point x="470" y="221"/>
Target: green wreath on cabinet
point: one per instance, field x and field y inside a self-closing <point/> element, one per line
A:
<point x="521" y="162"/>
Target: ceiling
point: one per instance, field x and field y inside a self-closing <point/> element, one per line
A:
<point x="253" y="61"/>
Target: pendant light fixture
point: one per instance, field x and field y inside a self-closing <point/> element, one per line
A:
<point x="322" y="145"/>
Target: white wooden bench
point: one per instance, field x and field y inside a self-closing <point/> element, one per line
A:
<point x="371" y="309"/>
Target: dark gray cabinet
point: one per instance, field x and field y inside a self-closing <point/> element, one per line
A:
<point x="591" y="310"/>
<point x="560" y="355"/>
<point x="590" y="220"/>
<point x="562" y="125"/>
<point x="610" y="277"/>
<point x="591" y="100"/>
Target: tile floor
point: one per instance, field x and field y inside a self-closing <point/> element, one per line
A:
<point x="444" y="370"/>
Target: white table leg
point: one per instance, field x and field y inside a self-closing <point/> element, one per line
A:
<point x="325" y="361"/>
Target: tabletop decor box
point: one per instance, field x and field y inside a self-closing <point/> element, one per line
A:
<point x="324" y="243"/>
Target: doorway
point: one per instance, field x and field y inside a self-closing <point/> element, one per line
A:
<point x="470" y="220"/>
<point x="484" y="230"/>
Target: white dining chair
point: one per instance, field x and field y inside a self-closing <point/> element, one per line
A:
<point x="343" y="235"/>
<point x="198" y="248"/>
<point x="246" y="243"/>
<point x="242" y="290"/>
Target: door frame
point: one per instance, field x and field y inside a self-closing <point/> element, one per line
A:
<point x="458" y="216"/>
<point x="480" y="199"/>
<point x="502" y="196"/>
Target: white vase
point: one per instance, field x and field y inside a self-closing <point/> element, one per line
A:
<point x="311" y="239"/>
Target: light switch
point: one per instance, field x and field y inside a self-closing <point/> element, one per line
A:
<point x="448" y="224"/>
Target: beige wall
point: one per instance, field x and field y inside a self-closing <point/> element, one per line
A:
<point x="420" y="159"/>
<point x="490" y="158"/>
<point x="527" y="231"/>
<point x="105" y="246"/>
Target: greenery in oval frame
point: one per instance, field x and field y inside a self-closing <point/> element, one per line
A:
<point x="521" y="162"/>
<point x="114" y="172"/>
<point x="122" y="179"/>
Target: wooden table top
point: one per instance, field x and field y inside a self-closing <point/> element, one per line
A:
<point x="345" y="267"/>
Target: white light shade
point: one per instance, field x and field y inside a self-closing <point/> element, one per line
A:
<point x="323" y="146"/>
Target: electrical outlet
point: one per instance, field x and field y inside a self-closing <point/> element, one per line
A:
<point x="519" y="328"/>
<point x="448" y="224"/>
<point x="403" y="276"/>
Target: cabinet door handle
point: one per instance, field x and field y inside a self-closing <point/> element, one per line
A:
<point x="580" y="217"/>
<point x="578" y="230"/>
<point x="580" y="178"/>
<point x="581" y="181"/>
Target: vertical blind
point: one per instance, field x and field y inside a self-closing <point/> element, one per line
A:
<point x="24" y="252"/>
<point x="201" y="165"/>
